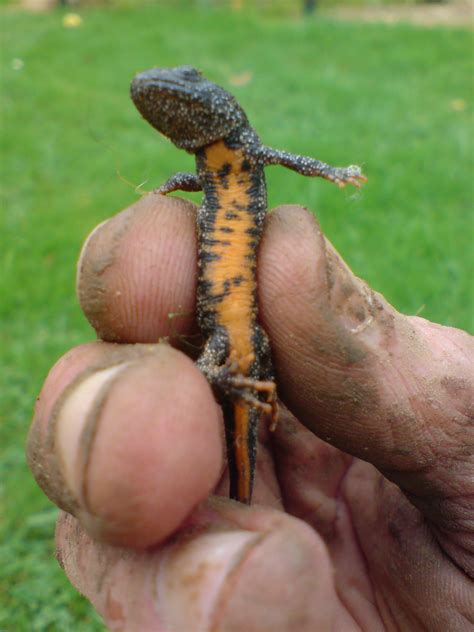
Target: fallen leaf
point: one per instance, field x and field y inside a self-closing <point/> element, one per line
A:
<point x="72" y="20"/>
<point x="241" y="79"/>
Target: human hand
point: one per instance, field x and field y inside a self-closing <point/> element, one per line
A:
<point x="363" y="502"/>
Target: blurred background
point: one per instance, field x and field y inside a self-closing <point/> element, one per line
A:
<point x="388" y="87"/>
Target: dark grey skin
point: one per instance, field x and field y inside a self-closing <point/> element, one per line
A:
<point x="195" y="114"/>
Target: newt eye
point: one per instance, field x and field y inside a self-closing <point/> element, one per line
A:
<point x="189" y="73"/>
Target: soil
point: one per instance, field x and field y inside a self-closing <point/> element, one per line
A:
<point x="458" y="13"/>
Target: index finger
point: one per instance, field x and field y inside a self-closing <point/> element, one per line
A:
<point x="393" y="390"/>
<point x="139" y="267"/>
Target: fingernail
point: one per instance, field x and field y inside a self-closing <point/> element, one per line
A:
<point x="193" y="574"/>
<point x="247" y="580"/>
<point x="75" y="417"/>
<point x="350" y="298"/>
<point x="76" y="424"/>
<point x="84" y="248"/>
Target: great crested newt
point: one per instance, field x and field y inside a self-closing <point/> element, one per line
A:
<point x="205" y="120"/>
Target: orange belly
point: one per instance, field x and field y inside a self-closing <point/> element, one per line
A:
<point x="235" y="248"/>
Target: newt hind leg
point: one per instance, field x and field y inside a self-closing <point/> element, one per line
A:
<point x="267" y="373"/>
<point x="247" y="379"/>
<point x="246" y="389"/>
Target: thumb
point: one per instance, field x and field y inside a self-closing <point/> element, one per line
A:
<point x="393" y="390"/>
<point x="230" y="568"/>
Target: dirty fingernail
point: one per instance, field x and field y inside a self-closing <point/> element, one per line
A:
<point x="192" y="577"/>
<point x="247" y="580"/>
<point x="76" y="423"/>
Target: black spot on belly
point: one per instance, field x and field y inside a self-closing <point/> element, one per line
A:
<point x="207" y="256"/>
<point x="231" y="215"/>
<point x="237" y="280"/>
<point x="211" y="241"/>
<point x="205" y="285"/>
<point x="224" y="170"/>
<point x="238" y="205"/>
<point x="253" y="231"/>
<point x="218" y="298"/>
<point x="223" y="175"/>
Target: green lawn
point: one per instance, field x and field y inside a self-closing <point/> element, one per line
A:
<point x="395" y="99"/>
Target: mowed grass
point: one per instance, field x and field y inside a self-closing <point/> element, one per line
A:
<point x="395" y="99"/>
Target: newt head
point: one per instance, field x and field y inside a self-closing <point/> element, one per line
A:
<point x="184" y="106"/>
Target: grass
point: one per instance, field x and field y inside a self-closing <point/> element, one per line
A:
<point x="396" y="99"/>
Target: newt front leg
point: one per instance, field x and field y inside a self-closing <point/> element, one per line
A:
<point x="312" y="167"/>
<point x="181" y="181"/>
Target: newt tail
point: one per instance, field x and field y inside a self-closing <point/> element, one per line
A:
<point x="205" y="120"/>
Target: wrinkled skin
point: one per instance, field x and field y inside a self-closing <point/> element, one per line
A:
<point x="363" y="513"/>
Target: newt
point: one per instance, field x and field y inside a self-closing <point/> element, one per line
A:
<point x="205" y="120"/>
